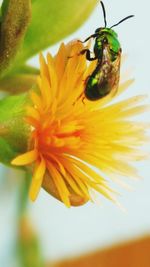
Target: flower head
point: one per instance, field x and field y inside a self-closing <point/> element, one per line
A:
<point x="69" y="136"/>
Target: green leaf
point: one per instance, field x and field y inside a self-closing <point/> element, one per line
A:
<point x="52" y="20"/>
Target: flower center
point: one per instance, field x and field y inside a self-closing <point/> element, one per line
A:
<point x="60" y="137"/>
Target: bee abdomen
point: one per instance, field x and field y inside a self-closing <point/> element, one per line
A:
<point x="95" y="90"/>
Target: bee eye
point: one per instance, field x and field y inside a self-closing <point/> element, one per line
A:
<point x="98" y="30"/>
<point x="105" y="40"/>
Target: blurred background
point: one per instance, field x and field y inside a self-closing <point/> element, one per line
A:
<point x="65" y="233"/>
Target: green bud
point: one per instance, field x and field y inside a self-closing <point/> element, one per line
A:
<point x="17" y="84"/>
<point x="15" y="19"/>
<point x="14" y="130"/>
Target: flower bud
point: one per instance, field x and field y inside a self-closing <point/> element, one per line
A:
<point x="16" y="16"/>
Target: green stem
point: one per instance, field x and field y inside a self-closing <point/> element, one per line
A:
<point x="28" y="246"/>
<point x="23" y="196"/>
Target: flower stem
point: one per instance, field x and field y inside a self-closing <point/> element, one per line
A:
<point x="28" y="247"/>
<point x="23" y="196"/>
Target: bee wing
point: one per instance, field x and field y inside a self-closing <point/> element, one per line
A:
<point x="109" y="70"/>
<point x="115" y="74"/>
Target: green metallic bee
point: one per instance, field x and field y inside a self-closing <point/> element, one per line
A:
<point x="107" y="51"/>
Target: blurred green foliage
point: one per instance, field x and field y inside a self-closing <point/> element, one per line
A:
<point x="51" y="22"/>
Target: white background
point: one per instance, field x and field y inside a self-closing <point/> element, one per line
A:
<point x="64" y="232"/>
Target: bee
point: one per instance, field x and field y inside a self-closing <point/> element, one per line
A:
<point x="107" y="52"/>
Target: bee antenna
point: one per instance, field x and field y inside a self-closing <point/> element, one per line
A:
<point x="128" y="17"/>
<point x="104" y="13"/>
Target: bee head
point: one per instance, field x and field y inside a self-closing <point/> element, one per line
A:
<point x="98" y="30"/>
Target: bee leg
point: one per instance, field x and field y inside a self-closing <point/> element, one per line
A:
<point x="91" y="36"/>
<point x="83" y="100"/>
<point x="85" y="81"/>
<point x="88" y="54"/>
<point x="79" y="97"/>
<point x="70" y="57"/>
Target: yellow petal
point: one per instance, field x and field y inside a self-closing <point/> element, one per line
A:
<point x="60" y="61"/>
<point x="36" y="99"/>
<point x="43" y="66"/>
<point x="73" y="185"/>
<point x="60" y="184"/>
<point x="26" y="158"/>
<point x="37" y="180"/>
<point x="46" y="91"/>
<point x="78" y="177"/>
<point x="32" y="112"/>
<point x="52" y="75"/>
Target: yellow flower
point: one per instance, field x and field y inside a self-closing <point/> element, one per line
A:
<point x="69" y="136"/>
